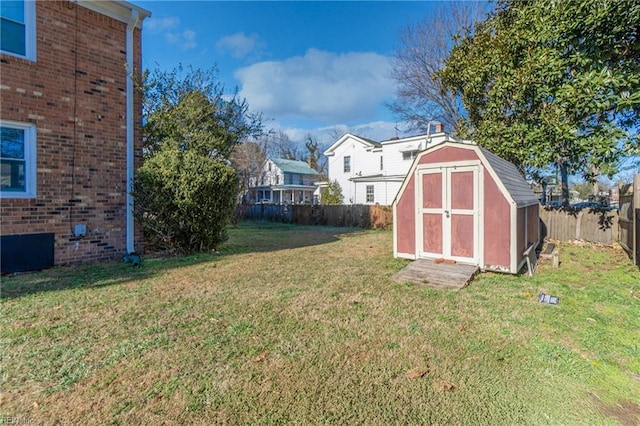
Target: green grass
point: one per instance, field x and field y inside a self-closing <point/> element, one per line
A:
<point x="305" y="325"/>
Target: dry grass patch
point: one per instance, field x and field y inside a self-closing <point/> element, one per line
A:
<point x="304" y="325"/>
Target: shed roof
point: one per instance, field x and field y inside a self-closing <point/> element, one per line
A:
<point x="513" y="182"/>
<point x="294" y="166"/>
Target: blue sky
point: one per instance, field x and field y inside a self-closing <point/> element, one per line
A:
<point x="310" y="67"/>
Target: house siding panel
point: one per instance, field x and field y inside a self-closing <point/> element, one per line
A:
<point x="80" y="114"/>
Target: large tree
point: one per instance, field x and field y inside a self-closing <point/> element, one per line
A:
<point x="185" y="191"/>
<point x="421" y="97"/>
<point x="552" y="83"/>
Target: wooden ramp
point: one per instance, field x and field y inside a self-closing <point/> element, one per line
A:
<point x="438" y="275"/>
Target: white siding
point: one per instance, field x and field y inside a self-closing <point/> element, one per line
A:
<point x="361" y="162"/>
<point x="365" y="162"/>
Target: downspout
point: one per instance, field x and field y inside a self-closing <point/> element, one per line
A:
<point x="133" y="21"/>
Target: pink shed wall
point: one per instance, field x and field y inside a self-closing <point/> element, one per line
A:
<point x="406" y="219"/>
<point x="448" y="154"/>
<point x="497" y="228"/>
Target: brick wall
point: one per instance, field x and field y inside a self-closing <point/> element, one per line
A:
<point x="75" y="93"/>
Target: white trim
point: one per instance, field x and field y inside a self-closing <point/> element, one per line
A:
<point x="474" y="169"/>
<point x="133" y="21"/>
<point x="480" y="213"/>
<point x="29" y="33"/>
<point x="331" y="150"/>
<point x="446" y="171"/>
<point x="118" y="10"/>
<point x="409" y="256"/>
<point x="420" y="211"/>
<point x="30" y="160"/>
<point x="513" y="264"/>
<point x="394" y="210"/>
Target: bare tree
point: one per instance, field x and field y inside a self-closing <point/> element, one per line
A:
<point x="315" y="158"/>
<point x="277" y="144"/>
<point x="421" y="97"/>
<point x="248" y="159"/>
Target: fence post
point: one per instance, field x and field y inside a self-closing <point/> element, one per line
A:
<point x="636" y="219"/>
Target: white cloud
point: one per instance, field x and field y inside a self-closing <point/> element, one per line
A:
<point x="170" y="26"/>
<point x="239" y="45"/>
<point x="376" y="130"/>
<point x="318" y="86"/>
<point x="156" y="25"/>
<point x="185" y="39"/>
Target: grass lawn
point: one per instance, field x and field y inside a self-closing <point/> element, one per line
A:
<point x="304" y="325"/>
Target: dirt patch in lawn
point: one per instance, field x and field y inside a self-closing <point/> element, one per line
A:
<point x="627" y="413"/>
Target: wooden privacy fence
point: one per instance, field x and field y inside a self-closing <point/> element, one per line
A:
<point x="359" y="216"/>
<point x="630" y="219"/>
<point x="587" y="225"/>
<point x="603" y="227"/>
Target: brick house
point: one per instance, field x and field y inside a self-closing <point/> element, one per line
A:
<point x="70" y="121"/>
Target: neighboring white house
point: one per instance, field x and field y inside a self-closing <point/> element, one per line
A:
<point x="371" y="172"/>
<point x="285" y="182"/>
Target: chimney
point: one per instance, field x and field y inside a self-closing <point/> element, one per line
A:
<point x="438" y="127"/>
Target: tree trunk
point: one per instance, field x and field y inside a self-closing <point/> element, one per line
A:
<point x="564" y="177"/>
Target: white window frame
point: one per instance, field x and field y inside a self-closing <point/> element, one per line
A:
<point x="30" y="160"/>
<point x="346" y="164"/>
<point x="370" y="193"/>
<point x="409" y="155"/>
<point x="29" y="32"/>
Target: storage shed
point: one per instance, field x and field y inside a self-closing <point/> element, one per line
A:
<point x="461" y="202"/>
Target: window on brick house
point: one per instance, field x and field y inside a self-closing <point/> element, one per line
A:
<point x="17" y="160"/>
<point x="18" y="28"/>
<point x="370" y="197"/>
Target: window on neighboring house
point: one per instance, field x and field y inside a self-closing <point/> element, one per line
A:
<point x="277" y="179"/>
<point x="409" y="155"/>
<point x="300" y="180"/>
<point x="17" y="160"/>
<point x="347" y="164"/>
<point x="370" y="197"/>
<point x="288" y="179"/>
<point x="18" y="28"/>
<point x="381" y="162"/>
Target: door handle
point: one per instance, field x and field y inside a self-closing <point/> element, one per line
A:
<point x="447" y="213"/>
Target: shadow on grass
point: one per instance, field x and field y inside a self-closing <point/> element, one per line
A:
<point x="248" y="237"/>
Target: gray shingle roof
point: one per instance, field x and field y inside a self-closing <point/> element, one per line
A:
<point x="512" y="180"/>
<point x="294" y="166"/>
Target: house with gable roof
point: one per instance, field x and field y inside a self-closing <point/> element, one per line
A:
<point x="371" y="172"/>
<point x="285" y="181"/>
